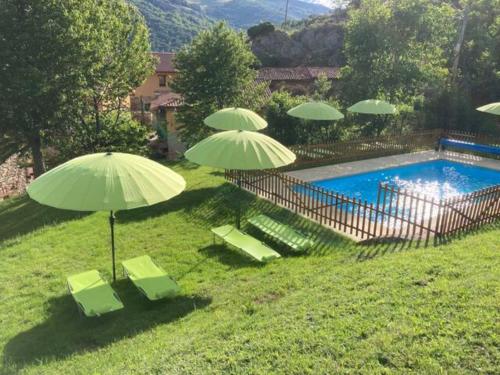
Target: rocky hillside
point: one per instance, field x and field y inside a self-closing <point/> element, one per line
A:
<point x="316" y="41"/>
<point x="175" y="22"/>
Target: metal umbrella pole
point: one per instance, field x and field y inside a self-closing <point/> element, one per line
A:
<point x="112" y="225"/>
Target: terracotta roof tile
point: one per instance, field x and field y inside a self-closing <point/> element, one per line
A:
<point x="300" y="73"/>
<point x="166" y="64"/>
<point x="168" y="99"/>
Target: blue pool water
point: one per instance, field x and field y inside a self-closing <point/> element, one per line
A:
<point x="436" y="179"/>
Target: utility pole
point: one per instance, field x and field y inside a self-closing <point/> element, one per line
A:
<point x="286" y="12"/>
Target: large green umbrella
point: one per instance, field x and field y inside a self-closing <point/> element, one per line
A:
<point x="235" y="119"/>
<point x="373" y="107"/>
<point x="493" y="108"/>
<point x="240" y="150"/>
<point x="106" y="182"/>
<point x="316" y="111"/>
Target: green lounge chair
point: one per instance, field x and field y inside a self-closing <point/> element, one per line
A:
<point x="281" y="232"/>
<point x="245" y="243"/>
<point x="150" y="279"/>
<point x="93" y="295"/>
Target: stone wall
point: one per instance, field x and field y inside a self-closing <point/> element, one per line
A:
<point x="13" y="178"/>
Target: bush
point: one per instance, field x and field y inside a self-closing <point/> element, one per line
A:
<point x="260" y="30"/>
<point x="282" y="127"/>
<point x="122" y="134"/>
<point x="291" y="130"/>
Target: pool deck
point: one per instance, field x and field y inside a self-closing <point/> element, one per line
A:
<point x="355" y="167"/>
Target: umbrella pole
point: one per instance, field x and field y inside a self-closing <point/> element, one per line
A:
<point x="238" y="207"/>
<point x="112" y="225"/>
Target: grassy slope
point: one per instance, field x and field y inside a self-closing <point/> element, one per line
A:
<point x="341" y="308"/>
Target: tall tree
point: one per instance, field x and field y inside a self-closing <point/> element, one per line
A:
<point x="64" y="64"/>
<point x="213" y="71"/>
<point x="397" y="50"/>
<point x="115" y="59"/>
<point x="38" y="56"/>
<point x="478" y="73"/>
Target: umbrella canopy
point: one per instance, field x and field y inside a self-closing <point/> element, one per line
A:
<point x="493" y="108"/>
<point x="374" y="107"/>
<point x="106" y="182"/>
<point x="235" y="119"/>
<point x="240" y="150"/>
<point x="316" y="111"/>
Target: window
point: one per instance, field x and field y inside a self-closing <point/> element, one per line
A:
<point x="147" y="107"/>
<point x="162" y="80"/>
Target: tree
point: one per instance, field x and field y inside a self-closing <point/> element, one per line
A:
<point x="115" y="59"/>
<point x="281" y="126"/>
<point x="38" y="56"/>
<point x="478" y="78"/>
<point x="123" y="135"/>
<point x="213" y="71"/>
<point x="397" y="50"/>
<point x="65" y="64"/>
<point x="322" y="88"/>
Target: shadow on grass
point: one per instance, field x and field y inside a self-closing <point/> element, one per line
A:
<point x="22" y="215"/>
<point x="229" y="256"/>
<point x="208" y="204"/>
<point x="377" y="247"/>
<point x="65" y="333"/>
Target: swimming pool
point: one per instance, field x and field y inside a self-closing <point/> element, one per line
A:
<point x="436" y="179"/>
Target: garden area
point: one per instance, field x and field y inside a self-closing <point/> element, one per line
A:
<point x="343" y="307"/>
<point x="353" y="228"/>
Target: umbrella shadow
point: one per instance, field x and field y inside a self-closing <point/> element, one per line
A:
<point x="22" y="215"/>
<point x="210" y="206"/>
<point x="64" y="333"/>
<point x="229" y="256"/>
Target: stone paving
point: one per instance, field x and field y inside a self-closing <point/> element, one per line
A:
<point x="13" y="178"/>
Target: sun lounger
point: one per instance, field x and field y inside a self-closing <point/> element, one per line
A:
<point x="281" y="232"/>
<point x="149" y="278"/>
<point x="245" y="243"/>
<point x="93" y="295"/>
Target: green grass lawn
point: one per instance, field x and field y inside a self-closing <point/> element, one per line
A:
<point x="340" y="308"/>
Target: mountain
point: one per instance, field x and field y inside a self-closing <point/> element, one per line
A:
<point x="243" y="14"/>
<point x="174" y="22"/>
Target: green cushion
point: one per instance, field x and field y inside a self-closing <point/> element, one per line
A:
<point x="281" y="232"/>
<point x="152" y="280"/>
<point x="94" y="295"/>
<point x="247" y="244"/>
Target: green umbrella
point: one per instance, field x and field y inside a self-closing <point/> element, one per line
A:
<point x="106" y="182"/>
<point x="316" y="111"/>
<point x="373" y="107"/>
<point x="493" y="108"/>
<point x="236" y="119"/>
<point x="240" y="150"/>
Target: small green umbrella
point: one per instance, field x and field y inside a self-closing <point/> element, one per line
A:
<point x="106" y="182"/>
<point x="240" y="150"/>
<point x="235" y="119"/>
<point x="316" y="111"/>
<point x="493" y="108"/>
<point x="373" y="107"/>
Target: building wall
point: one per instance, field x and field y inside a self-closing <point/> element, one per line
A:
<point x="151" y="87"/>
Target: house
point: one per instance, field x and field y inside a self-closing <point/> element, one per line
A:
<point x="297" y="80"/>
<point x="155" y="103"/>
